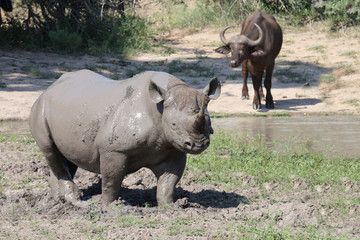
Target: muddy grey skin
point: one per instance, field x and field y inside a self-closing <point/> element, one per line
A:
<point x="256" y="48"/>
<point x="117" y="127"/>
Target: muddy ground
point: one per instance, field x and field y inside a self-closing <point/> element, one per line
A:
<point x="310" y="55"/>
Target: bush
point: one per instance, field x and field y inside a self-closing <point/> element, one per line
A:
<point x="130" y="36"/>
<point x="64" y="41"/>
<point x="71" y="26"/>
<point x="342" y="13"/>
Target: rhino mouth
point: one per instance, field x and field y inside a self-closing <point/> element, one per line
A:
<point x="196" y="147"/>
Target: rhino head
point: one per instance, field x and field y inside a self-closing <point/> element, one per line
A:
<point x="185" y="119"/>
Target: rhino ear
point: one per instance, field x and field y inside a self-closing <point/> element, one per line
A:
<point x="157" y="93"/>
<point x="213" y="89"/>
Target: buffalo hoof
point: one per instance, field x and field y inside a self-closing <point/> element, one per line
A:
<point x="245" y="98"/>
<point x="270" y="106"/>
<point x="256" y="106"/>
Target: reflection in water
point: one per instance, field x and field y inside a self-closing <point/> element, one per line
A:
<point x="335" y="135"/>
<point x="339" y="135"/>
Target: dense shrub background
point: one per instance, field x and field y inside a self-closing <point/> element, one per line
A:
<point x="112" y="27"/>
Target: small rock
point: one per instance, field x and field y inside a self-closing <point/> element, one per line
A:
<point x="183" y="202"/>
<point x="353" y="209"/>
<point x="306" y="85"/>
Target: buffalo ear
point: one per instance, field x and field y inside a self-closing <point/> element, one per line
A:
<point x="258" y="52"/>
<point x="157" y="93"/>
<point x="223" y="50"/>
<point x="213" y="89"/>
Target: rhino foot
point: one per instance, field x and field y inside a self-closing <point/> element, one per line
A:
<point x="64" y="190"/>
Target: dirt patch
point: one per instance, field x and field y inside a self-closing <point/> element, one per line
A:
<point x="201" y="211"/>
<point x="314" y="73"/>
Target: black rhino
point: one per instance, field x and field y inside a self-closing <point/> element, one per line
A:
<point x="117" y="127"/>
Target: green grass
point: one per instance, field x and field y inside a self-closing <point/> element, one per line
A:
<point x="275" y="114"/>
<point x="288" y="76"/>
<point x="219" y="115"/>
<point x="318" y="48"/>
<point x="351" y="54"/>
<point x="346" y="69"/>
<point x="17" y="138"/>
<point x="327" y="78"/>
<point x="34" y="71"/>
<point x="2" y="84"/>
<point x="229" y="155"/>
<point x="352" y="101"/>
<point x="191" y="69"/>
<point x="3" y="182"/>
<point x="256" y="229"/>
<point x="281" y="114"/>
<point x="185" y="226"/>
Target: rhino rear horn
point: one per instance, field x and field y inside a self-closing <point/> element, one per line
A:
<point x="213" y="89"/>
<point x="157" y="93"/>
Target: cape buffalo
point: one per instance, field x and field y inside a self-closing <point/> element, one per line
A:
<point x="117" y="127"/>
<point x="255" y="49"/>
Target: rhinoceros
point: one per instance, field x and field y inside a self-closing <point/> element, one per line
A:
<point x="114" y="128"/>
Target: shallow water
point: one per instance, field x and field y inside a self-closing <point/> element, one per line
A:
<point x="333" y="135"/>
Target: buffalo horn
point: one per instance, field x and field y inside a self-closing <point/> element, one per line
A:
<point x="253" y="43"/>
<point x="222" y="35"/>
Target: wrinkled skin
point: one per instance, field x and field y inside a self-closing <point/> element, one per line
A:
<point x="117" y="127"/>
<point x="256" y="48"/>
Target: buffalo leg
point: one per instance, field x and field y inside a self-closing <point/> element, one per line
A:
<point x="168" y="174"/>
<point x="267" y="83"/>
<point x="257" y="88"/>
<point x="245" y="72"/>
<point x="113" y="171"/>
<point x="261" y="92"/>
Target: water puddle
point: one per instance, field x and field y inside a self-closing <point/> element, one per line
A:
<point x="335" y="135"/>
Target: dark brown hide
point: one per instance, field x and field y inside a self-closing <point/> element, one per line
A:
<point x="255" y="58"/>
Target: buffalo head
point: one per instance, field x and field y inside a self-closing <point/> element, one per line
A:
<point x="241" y="47"/>
<point x="185" y="119"/>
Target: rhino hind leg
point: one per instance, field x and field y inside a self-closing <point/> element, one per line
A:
<point x="61" y="170"/>
<point x="61" y="177"/>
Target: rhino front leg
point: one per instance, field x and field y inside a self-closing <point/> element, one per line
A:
<point x="113" y="171"/>
<point x="168" y="174"/>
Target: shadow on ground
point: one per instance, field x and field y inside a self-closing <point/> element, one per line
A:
<point x="147" y="197"/>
